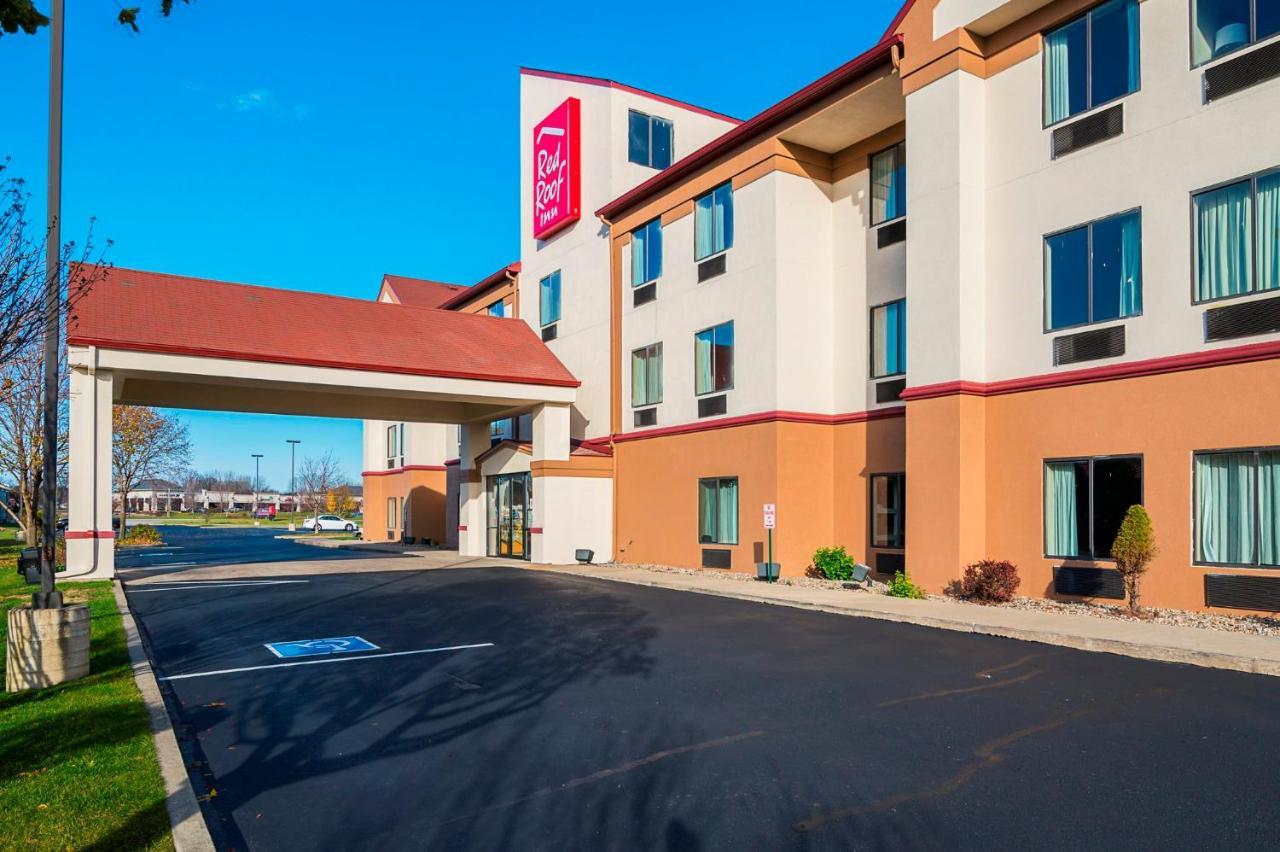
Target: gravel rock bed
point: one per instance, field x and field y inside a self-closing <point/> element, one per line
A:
<point x="743" y="577"/>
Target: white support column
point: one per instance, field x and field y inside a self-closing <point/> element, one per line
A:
<point x="471" y="498"/>
<point x="553" y="522"/>
<point x="551" y="432"/>
<point x="90" y="540"/>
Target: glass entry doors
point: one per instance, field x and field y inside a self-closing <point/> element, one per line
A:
<point x="510" y="510"/>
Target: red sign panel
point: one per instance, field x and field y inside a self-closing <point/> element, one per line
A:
<point x="556" y="170"/>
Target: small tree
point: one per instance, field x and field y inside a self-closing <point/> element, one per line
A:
<point x="1133" y="550"/>
<point x="342" y="501"/>
<point x="146" y="444"/>
<point x="317" y="476"/>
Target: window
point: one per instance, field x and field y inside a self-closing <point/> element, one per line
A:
<point x="392" y="518"/>
<point x="713" y="359"/>
<point x="395" y="445"/>
<point x="1091" y="60"/>
<point x="648" y="140"/>
<point x="1219" y="27"/>
<point x="1237" y="238"/>
<point x="889" y="184"/>
<point x="889" y="339"/>
<point x="718" y="510"/>
<point x="497" y="309"/>
<point x="1093" y="273"/>
<point x="549" y="299"/>
<point x="1084" y="502"/>
<point x="646" y="376"/>
<point x="713" y="222"/>
<point x="1237" y="507"/>
<point x="888" y="509"/>
<point x="646" y="253"/>
<point x="502" y="430"/>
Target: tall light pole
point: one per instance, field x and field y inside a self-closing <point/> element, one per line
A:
<point x="257" y="459"/>
<point x="47" y="598"/>
<point x="293" y="485"/>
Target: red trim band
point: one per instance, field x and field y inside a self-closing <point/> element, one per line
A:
<point x="623" y="87"/>
<point x="764" y="417"/>
<point x="79" y="534"/>
<point x="462" y="527"/>
<point x="535" y="530"/>
<point x="1134" y="369"/>
<point x="453" y="462"/>
<point x="403" y="469"/>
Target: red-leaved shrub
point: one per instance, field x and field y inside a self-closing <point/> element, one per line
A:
<point x="988" y="581"/>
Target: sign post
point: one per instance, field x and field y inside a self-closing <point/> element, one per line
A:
<point x="770" y="521"/>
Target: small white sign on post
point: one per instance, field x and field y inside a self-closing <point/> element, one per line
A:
<point x="770" y="515"/>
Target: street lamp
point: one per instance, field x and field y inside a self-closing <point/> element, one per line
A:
<point x="257" y="458"/>
<point x="293" y="485"/>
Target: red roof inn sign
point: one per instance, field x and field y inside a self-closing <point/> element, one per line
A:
<point x="556" y="170"/>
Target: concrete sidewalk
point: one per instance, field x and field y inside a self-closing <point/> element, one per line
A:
<point x="1193" y="645"/>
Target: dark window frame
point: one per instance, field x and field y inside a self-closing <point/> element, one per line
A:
<point x="733" y="376"/>
<point x="871" y="337"/>
<point x="649" y="120"/>
<point x="1252" y="179"/>
<point x="542" y="322"/>
<point x="737" y="506"/>
<point x="1046" y="299"/>
<point x="900" y="144"/>
<point x="1253" y="42"/>
<point x="655" y="221"/>
<point x="901" y="475"/>
<point x="649" y="351"/>
<point x="1087" y="14"/>
<point x="1257" y="509"/>
<point x="1044" y="513"/>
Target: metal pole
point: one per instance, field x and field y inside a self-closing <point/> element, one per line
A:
<point x="257" y="459"/>
<point x="769" y="570"/>
<point x="293" y="484"/>
<point x="47" y="598"/>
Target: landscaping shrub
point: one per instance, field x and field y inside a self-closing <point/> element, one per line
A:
<point x="142" y="534"/>
<point x="902" y="587"/>
<point x="988" y="581"/>
<point x="1133" y="550"/>
<point x="832" y="563"/>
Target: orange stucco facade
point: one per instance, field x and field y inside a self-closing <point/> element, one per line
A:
<point x="422" y="491"/>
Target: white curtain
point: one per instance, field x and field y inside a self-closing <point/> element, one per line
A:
<point x="1224" y="486"/>
<point x="1223" y="225"/>
<point x="702" y="362"/>
<point x="1269" y="231"/>
<point x="704" y="226"/>
<point x="882" y="187"/>
<point x="1060" y="519"/>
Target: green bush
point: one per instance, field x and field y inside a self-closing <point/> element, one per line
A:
<point x="902" y="587"/>
<point x="1133" y="550"/>
<point x="832" y="563"/>
<point x="142" y="534"/>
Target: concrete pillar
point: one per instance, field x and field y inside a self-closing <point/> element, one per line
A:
<point x="90" y="540"/>
<point x="472" y="522"/>
<point x="552" y="538"/>
<point x="551" y="433"/>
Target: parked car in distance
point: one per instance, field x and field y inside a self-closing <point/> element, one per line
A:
<point x="267" y="512"/>
<point x="328" y="522"/>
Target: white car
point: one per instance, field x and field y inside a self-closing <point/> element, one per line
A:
<point x="328" y="522"/>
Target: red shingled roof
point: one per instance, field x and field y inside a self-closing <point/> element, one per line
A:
<point x="507" y="273"/>
<point x="156" y="312"/>
<point x="420" y="292"/>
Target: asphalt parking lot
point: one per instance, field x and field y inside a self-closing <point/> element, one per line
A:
<point x="578" y="713"/>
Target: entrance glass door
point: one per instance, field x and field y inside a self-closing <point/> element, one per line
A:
<point x="510" y="509"/>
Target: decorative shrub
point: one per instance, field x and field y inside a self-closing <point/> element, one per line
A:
<point x="902" y="587"/>
<point x="142" y="534"/>
<point x="832" y="563"/>
<point x="988" y="581"/>
<point x="1133" y="550"/>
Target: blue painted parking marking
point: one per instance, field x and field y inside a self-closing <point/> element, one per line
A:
<point x="320" y="647"/>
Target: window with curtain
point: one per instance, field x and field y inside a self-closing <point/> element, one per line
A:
<point x="889" y="339"/>
<point x="718" y="510"/>
<point x="646" y="376"/>
<point x="888" y="509"/>
<point x="1219" y="27"/>
<point x="393" y="518"/>
<point x="497" y="309"/>
<point x="1091" y="60"/>
<point x="549" y="299"/>
<point x="1237" y="238"/>
<point x="889" y="184"/>
<point x="713" y="222"/>
<point x="1093" y="273"/>
<point x="649" y="140"/>
<point x="646" y="253"/>
<point x="713" y="359"/>
<point x="1085" y="501"/>
<point x="1237" y="507"/>
<point x="395" y="445"/>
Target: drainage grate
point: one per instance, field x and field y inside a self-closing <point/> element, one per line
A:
<point x="1240" y="591"/>
<point x="1261" y="316"/>
<point x="1089" y="130"/>
<point x="646" y="417"/>
<point x="1088" y="345"/>
<point x="549" y="333"/>
<point x="890" y="391"/>
<point x="644" y="295"/>
<point x="1088" y="582"/>
<point x="711" y="268"/>
<point x="709" y="406"/>
<point x="717" y="558"/>
<point x="1254" y="67"/>
<point x="890" y="563"/>
<point x="894" y="232"/>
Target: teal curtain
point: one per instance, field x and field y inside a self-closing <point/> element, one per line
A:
<point x="704" y="381"/>
<point x="704" y="227"/>
<point x="1131" y="265"/>
<point x="638" y="381"/>
<point x="638" y="257"/>
<point x="1224" y="486"/>
<point x="1269" y="508"/>
<point x="1269" y="231"/>
<point x="1135" y="64"/>
<point x="723" y="197"/>
<point x="653" y="366"/>
<point x="1060" y="521"/>
<point x="1223" y="228"/>
<point x="727" y="512"/>
<point x="1057" y="92"/>
<point x="706" y="511"/>
<point x="549" y="301"/>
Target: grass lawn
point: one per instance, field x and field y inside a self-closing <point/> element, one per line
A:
<point x="77" y="764"/>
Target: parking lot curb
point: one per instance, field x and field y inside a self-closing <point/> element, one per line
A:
<point x="1122" y="647"/>
<point x="190" y="834"/>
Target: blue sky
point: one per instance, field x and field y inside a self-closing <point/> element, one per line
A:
<point x="315" y="145"/>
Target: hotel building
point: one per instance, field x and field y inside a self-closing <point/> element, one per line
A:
<point x="1023" y="255"/>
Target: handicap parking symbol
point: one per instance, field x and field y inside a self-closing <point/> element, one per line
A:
<point x="320" y="647"/>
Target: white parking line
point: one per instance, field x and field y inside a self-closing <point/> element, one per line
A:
<point x="210" y="584"/>
<point x="323" y="662"/>
<point x="162" y="567"/>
